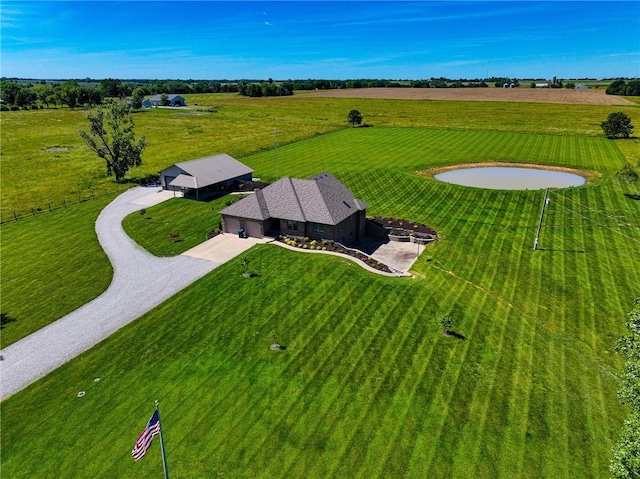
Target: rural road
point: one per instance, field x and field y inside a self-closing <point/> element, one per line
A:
<point x="140" y="282"/>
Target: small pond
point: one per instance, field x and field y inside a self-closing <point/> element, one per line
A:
<point x="510" y="178"/>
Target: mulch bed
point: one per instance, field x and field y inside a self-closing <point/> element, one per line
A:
<point x="404" y="227"/>
<point x="328" y="245"/>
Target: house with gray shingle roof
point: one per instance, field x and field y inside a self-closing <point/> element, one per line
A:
<point x="205" y="176"/>
<point x="319" y="207"/>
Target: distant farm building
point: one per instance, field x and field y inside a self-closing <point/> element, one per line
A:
<point x="206" y="176"/>
<point x="542" y="85"/>
<point x="174" y="100"/>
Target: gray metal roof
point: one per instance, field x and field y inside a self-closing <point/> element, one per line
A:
<point x="184" y="181"/>
<point x="320" y="199"/>
<point x="210" y="170"/>
<point x="158" y="97"/>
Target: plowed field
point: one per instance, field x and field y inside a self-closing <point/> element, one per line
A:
<point x="530" y="95"/>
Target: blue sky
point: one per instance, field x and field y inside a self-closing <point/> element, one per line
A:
<point x="331" y="40"/>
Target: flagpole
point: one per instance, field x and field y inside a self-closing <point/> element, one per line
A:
<point x="164" y="455"/>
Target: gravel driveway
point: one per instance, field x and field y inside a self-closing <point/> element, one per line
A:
<point x="140" y="282"/>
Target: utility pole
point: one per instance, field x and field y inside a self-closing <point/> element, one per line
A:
<point x="544" y="204"/>
<point x="275" y="146"/>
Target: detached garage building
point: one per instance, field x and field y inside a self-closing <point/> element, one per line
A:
<point x="205" y="176"/>
<point x="173" y="100"/>
<point x="320" y="208"/>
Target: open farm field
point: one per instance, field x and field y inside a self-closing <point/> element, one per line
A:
<point x="514" y="95"/>
<point x="44" y="161"/>
<point x="368" y="387"/>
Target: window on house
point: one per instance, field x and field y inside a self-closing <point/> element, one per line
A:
<point x="292" y="225"/>
<point x="318" y="228"/>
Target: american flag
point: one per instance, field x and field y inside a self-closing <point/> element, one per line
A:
<point x="146" y="436"/>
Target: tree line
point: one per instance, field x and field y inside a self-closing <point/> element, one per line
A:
<point x="621" y="87"/>
<point x="76" y="93"/>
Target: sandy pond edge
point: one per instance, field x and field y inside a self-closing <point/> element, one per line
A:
<point x="430" y="172"/>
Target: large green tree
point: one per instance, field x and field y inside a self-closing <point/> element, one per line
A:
<point x="9" y="91"/>
<point x="70" y="93"/>
<point x="617" y="125"/>
<point x="354" y="117"/>
<point x="112" y="138"/>
<point x="137" y="96"/>
<point x="88" y="95"/>
<point x="626" y="453"/>
<point x="45" y="93"/>
<point x="111" y="88"/>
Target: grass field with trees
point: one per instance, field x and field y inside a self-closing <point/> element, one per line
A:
<point x="44" y="160"/>
<point x="368" y="386"/>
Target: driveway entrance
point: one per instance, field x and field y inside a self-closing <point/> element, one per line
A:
<point x="223" y="247"/>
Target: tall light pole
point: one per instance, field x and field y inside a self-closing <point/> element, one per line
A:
<point x="544" y="204"/>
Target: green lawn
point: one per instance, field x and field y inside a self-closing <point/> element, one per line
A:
<point x="51" y="265"/>
<point x="368" y="386"/>
<point x="191" y="219"/>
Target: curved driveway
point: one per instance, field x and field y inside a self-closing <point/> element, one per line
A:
<point x="140" y="282"/>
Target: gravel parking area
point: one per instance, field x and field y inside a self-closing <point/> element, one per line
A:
<point x="140" y="282"/>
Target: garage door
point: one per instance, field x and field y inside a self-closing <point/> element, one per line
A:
<point x="231" y="225"/>
<point x="254" y="229"/>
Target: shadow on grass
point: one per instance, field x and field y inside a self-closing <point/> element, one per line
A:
<point x="632" y="197"/>
<point x="562" y="250"/>
<point x="5" y="319"/>
<point x="551" y="250"/>
<point x="456" y="335"/>
<point x="151" y="180"/>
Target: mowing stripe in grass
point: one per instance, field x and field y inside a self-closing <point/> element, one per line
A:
<point x="450" y="374"/>
<point x="496" y="407"/>
<point x="394" y="388"/>
<point x="315" y="362"/>
<point x="519" y="402"/>
<point x="316" y="331"/>
<point x="559" y="412"/>
<point x="463" y="416"/>
<point x="365" y="392"/>
<point x="329" y="353"/>
<point x="474" y="435"/>
<point x="333" y="394"/>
